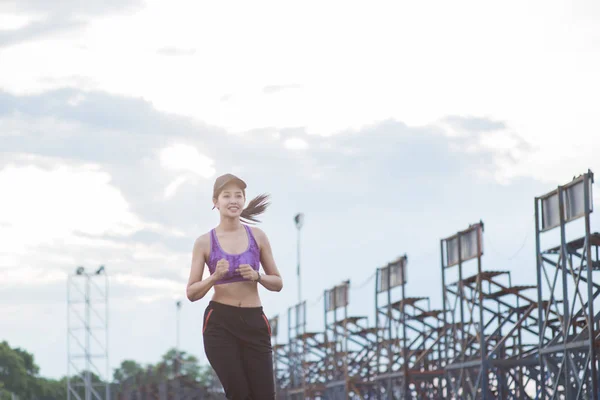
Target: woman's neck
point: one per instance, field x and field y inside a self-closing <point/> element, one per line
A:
<point x="230" y="224"/>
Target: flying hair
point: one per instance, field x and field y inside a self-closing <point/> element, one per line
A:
<point x="255" y="207"/>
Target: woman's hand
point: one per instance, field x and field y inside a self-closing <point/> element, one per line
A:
<point x="247" y="272"/>
<point x="221" y="269"/>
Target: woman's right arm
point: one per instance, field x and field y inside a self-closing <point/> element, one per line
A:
<point x="197" y="287"/>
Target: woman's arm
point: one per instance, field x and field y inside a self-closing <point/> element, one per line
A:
<point x="197" y="287"/>
<point x="272" y="279"/>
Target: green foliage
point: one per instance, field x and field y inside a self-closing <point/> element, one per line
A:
<point x="50" y="389"/>
<point x="19" y="374"/>
<point x="187" y="364"/>
<point x="126" y="370"/>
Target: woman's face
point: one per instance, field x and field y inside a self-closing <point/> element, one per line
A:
<point x="231" y="201"/>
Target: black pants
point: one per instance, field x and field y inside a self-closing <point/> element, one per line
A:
<point x="237" y="342"/>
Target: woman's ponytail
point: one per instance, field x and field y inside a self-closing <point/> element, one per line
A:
<point x="255" y="207"/>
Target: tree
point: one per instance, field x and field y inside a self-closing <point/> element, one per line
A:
<point x="19" y="375"/>
<point x="187" y="364"/>
<point x="17" y="371"/>
<point x="78" y="383"/>
<point x="50" y="389"/>
<point x="127" y="369"/>
<point x="208" y="377"/>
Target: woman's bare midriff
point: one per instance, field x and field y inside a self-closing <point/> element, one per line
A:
<point x="238" y="294"/>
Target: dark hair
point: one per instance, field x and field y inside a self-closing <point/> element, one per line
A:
<point x="255" y="207"/>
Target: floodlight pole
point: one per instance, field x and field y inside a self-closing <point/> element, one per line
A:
<point x="299" y="220"/>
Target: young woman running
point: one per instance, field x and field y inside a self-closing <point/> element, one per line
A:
<point x="236" y="332"/>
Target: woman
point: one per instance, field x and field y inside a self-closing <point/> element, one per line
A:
<point x="237" y="335"/>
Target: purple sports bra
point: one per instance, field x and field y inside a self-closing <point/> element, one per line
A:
<point x="250" y="256"/>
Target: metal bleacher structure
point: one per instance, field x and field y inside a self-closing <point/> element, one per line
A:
<point x="491" y="338"/>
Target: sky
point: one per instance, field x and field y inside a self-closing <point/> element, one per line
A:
<point x="390" y="125"/>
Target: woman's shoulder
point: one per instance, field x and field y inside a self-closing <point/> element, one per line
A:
<point x="258" y="234"/>
<point x="203" y="241"/>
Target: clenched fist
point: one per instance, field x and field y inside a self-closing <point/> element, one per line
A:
<point x="247" y="272"/>
<point x="222" y="268"/>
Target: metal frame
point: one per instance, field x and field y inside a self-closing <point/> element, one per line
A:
<point x="409" y="338"/>
<point x="350" y="348"/>
<point x="305" y="357"/>
<point x="87" y="328"/>
<point x="565" y="277"/>
<point x="282" y="366"/>
<point x="491" y="339"/>
<point x="466" y="363"/>
<point x="337" y="355"/>
<point x="390" y="282"/>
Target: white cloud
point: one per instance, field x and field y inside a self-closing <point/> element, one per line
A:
<point x="76" y="100"/>
<point x="45" y="205"/>
<point x="10" y="22"/>
<point x="375" y="73"/>
<point x="296" y="144"/>
<point x="186" y="158"/>
<point x="30" y="276"/>
<point x="500" y="140"/>
<point x="16" y="124"/>
<point x="171" y="189"/>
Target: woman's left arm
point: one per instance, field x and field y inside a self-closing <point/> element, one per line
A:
<point x="271" y="280"/>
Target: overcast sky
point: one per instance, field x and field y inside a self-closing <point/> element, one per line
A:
<point x="391" y="125"/>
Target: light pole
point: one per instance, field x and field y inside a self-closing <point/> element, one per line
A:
<point x="178" y="304"/>
<point x="86" y="298"/>
<point x="177" y="356"/>
<point x="299" y="220"/>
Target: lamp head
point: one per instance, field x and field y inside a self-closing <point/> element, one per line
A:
<point x="299" y="219"/>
